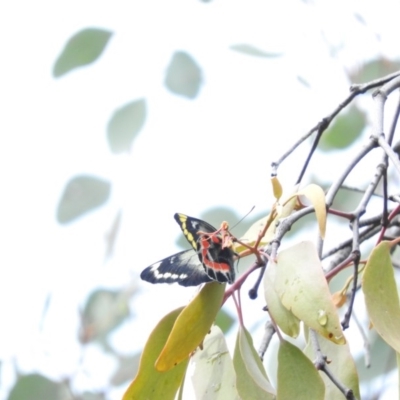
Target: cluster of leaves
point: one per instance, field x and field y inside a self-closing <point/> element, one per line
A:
<point x="295" y="285"/>
<point x="296" y="290"/>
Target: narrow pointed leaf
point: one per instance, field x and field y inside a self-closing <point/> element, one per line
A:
<point x="250" y="50"/>
<point x="297" y="377"/>
<point x="81" y="49"/>
<point x="381" y="295"/>
<point x="82" y="194"/>
<point x="191" y="326"/>
<point x="214" y="377"/>
<point x="303" y="290"/>
<point x="150" y="383"/>
<point x="125" y="124"/>
<point x="251" y="378"/>
<point x="183" y="75"/>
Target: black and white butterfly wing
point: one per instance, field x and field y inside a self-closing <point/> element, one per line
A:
<point x="184" y="268"/>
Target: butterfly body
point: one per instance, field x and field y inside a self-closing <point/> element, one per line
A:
<point x="212" y="258"/>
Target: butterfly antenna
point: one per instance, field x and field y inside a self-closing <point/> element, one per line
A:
<point x="245" y="216"/>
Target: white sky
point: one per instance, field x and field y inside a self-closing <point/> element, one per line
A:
<point x="248" y="112"/>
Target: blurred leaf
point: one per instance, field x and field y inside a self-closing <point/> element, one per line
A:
<point x="183" y="75"/>
<point x="112" y="234"/>
<point x="297" y="377"/>
<point x="251" y="378"/>
<point x="92" y="396"/>
<point x="127" y="367"/>
<point x="303" y="81"/>
<point x="125" y="124"/>
<point x="82" y="194"/>
<point x="81" y="49"/>
<point x="346" y="128"/>
<point x="302" y="288"/>
<point x="382" y="356"/>
<point x="150" y="383"/>
<point x="373" y="70"/>
<point x="381" y="295"/>
<point x="104" y="311"/>
<point x="38" y="387"/>
<point x="191" y="326"/>
<point x="250" y="50"/>
<point x="341" y="365"/>
<point x="214" y="376"/>
<point x="224" y="321"/>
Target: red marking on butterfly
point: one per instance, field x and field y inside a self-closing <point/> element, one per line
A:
<point x="211" y="259"/>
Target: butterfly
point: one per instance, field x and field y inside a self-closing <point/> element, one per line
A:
<point x="211" y="259"/>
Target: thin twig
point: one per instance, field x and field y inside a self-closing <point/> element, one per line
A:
<point x="321" y="365"/>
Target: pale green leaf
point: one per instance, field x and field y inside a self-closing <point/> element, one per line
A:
<point x="250" y="50"/>
<point x="81" y="49"/>
<point x="183" y="75"/>
<point x="125" y="124"/>
<point x="251" y="378"/>
<point x="303" y="290"/>
<point x="297" y="377"/>
<point x="82" y="194"/>
<point x="191" y="326"/>
<point x="150" y="383"/>
<point x="283" y="317"/>
<point x="381" y="295"/>
<point x="345" y="129"/>
<point x="38" y="387"/>
<point x="214" y="377"/>
<point x="104" y="311"/>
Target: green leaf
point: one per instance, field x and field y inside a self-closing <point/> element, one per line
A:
<point x="381" y="295"/>
<point x="191" y="326"/>
<point x="150" y="383"/>
<point x="81" y="49"/>
<point x="297" y="377"/>
<point x="342" y="366"/>
<point x="214" y="376"/>
<point x="82" y="194"/>
<point x="183" y="75"/>
<point x="303" y="290"/>
<point x="224" y="320"/>
<point x="104" y="311"/>
<point x="346" y="128"/>
<point x="374" y="69"/>
<point x="38" y="387"/>
<point x="125" y="124"/>
<point x="250" y="50"/>
<point x="283" y="317"/>
<point x="251" y="378"/>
